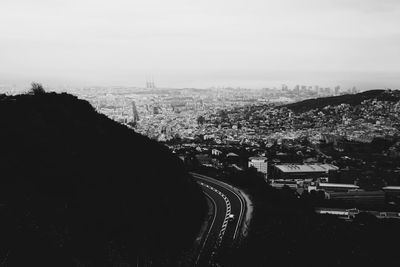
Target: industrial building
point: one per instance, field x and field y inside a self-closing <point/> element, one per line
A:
<point x="302" y="171"/>
<point x="392" y="194"/>
<point x="328" y="187"/>
<point x="392" y="190"/>
<point x="279" y="184"/>
<point x="359" y="197"/>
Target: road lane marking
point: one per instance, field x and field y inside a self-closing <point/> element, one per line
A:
<point x="227" y="187"/>
<point x="228" y="212"/>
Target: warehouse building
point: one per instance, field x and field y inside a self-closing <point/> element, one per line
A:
<point x="303" y="171"/>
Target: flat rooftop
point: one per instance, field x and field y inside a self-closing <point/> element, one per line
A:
<point x="306" y="168"/>
<point x="352" y="186"/>
<point x="258" y="159"/>
<point x="397" y="188"/>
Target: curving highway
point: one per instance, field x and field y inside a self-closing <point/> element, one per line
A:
<point x="222" y="230"/>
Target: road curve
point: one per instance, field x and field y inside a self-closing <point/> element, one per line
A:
<point x="226" y="201"/>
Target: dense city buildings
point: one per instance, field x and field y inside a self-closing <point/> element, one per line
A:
<point x="351" y="141"/>
<point x="166" y="114"/>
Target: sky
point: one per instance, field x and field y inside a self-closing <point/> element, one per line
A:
<point x="182" y="43"/>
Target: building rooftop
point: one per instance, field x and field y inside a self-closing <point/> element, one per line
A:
<point x="258" y="159"/>
<point x="311" y="168"/>
<point x="391" y="188"/>
<point x="350" y="186"/>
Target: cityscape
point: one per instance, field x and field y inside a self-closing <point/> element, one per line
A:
<point x="207" y="133"/>
<point x="329" y="150"/>
<point x="165" y="114"/>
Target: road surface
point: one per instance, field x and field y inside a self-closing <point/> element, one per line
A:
<point x="222" y="231"/>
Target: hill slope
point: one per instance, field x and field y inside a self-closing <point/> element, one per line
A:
<point x="79" y="188"/>
<point x="356" y="99"/>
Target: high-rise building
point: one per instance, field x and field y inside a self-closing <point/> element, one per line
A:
<point x="327" y="90"/>
<point x="337" y="90"/>
<point x="321" y="91"/>
<point x="150" y="83"/>
<point x="296" y="89"/>
<point x="135" y="113"/>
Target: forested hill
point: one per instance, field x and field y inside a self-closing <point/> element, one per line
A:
<point x="355" y="99"/>
<point x="78" y="189"/>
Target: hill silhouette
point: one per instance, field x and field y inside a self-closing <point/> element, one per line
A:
<point x="78" y="189"/>
<point x="354" y="99"/>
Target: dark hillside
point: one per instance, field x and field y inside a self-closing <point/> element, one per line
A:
<point x="353" y="100"/>
<point x="78" y="189"/>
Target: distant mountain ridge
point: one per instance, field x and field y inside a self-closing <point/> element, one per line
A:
<point x="351" y="99"/>
<point x="78" y="189"/>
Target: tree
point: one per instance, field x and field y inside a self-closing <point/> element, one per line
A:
<point x="201" y="120"/>
<point x="36" y="89"/>
<point x="364" y="218"/>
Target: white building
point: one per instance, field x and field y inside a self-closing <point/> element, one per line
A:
<point x="216" y="152"/>
<point x="260" y="163"/>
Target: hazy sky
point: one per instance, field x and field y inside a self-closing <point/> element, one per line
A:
<point x="253" y="43"/>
